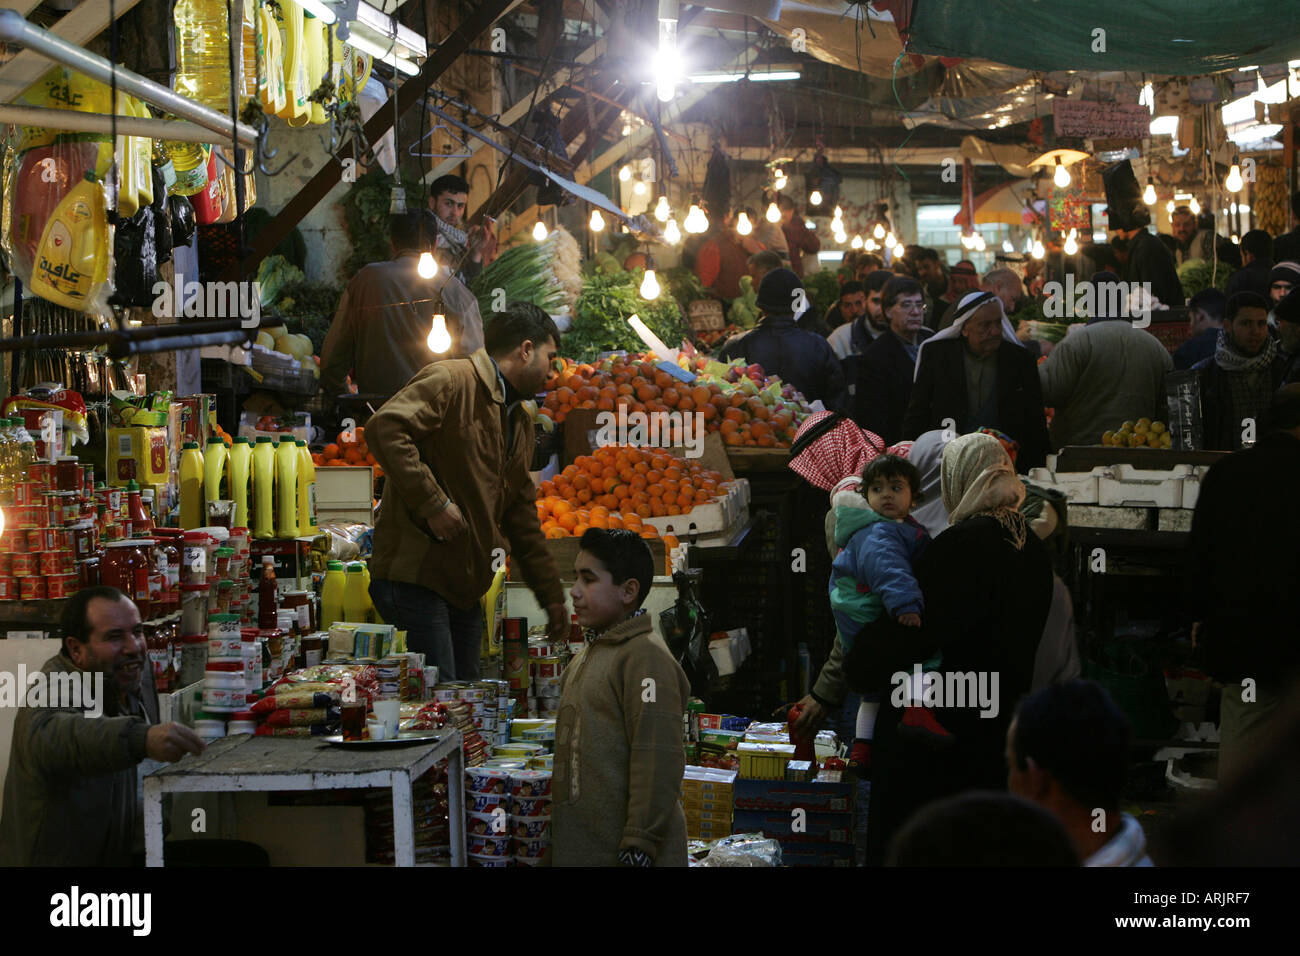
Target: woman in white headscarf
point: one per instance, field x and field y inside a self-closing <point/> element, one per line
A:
<point x="988" y="587"/>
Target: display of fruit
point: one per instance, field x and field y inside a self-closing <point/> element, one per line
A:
<point x="296" y="346"/>
<point x="349" y="448"/>
<point x="705" y="339"/>
<point x="737" y="400"/>
<point x="1144" y="433"/>
<point x="619" y="486"/>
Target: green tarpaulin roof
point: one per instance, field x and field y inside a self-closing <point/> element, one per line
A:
<point x="1179" y="37"/>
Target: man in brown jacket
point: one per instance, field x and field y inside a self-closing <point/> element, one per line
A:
<point x="618" y="737"/>
<point x="455" y="445"/>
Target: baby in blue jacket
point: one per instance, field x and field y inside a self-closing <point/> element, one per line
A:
<point x="872" y="576"/>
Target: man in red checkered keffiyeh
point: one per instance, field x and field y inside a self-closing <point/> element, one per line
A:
<point x="830" y="451"/>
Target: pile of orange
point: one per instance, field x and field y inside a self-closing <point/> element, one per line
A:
<point x="349" y="448"/>
<point x="621" y="486"/>
<point x="639" y="386"/>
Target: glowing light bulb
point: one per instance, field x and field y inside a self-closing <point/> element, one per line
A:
<point x="640" y="189"/>
<point x="2" y="521"/>
<point x="426" y="267"/>
<point x="650" y="286"/>
<point x="1233" y="183"/>
<point x="696" y="222"/>
<point x="625" y="174"/>
<point x="1071" y="244"/>
<point x="662" y="211"/>
<point x="1038" y="251"/>
<point x="857" y="242"/>
<point x="439" y="339"/>
<point x="597" y="221"/>
<point x="871" y="245"/>
<point x="890" y="241"/>
<point x="1007" y="247"/>
<point x="1169" y="207"/>
<point x="1029" y="244"/>
<point x="1062" y="175"/>
<point x="839" y="213"/>
<point x="841" y="237"/>
<point x="1149" y="194"/>
<point x="1194" y="206"/>
<point x="815" y="198"/>
<point x="781" y="182"/>
<point x="668" y="65"/>
<point x="878" y="232"/>
<point x="672" y="234"/>
<point x="1236" y="239"/>
<point x="743" y="226"/>
<point x="980" y="244"/>
<point x="899" y="251"/>
<point x="539" y="231"/>
<point x="773" y="213"/>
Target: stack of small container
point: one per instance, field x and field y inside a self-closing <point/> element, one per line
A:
<point x="545" y="665"/>
<point x="489" y="705"/>
<point x="508" y="816"/>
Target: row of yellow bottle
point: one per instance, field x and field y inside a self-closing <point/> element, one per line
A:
<point x="345" y="595"/>
<point x="273" y="485"/>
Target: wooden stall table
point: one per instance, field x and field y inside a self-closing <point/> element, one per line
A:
<point x="245" y="763"/>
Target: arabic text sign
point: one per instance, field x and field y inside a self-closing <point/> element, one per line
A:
<point x="1103" y="120"/>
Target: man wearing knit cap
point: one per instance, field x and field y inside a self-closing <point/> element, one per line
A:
<point x="1284" y="277"/>
<point x="1287" y="313"/>
<point x="800" y="358"/>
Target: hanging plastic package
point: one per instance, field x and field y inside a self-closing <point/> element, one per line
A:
<point x="373" y="96"/>
<point x="226" y="171"/>
<point x="72" y="259"/>
<point x="315" y="54"/>
<point x="352" y="67"/>
<point x="211" y="201"/>
<point x="272" y="90"/>
<point x="135" y="251"/>
<point x="297" y="111"/>
<point x="162" y="219"/>
<point x="181" y="212"/>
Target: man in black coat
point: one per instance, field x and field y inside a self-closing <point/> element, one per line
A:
<point x="979" y="379"/>
<point x="1239" y="379"/>
<point x="1287" y="245"/>
<point x="885" y="371"/>
<point x="1245" y="562"/>
<point x="1257" y="263"/>
<point x="1149" y="261"/>
<point x="801" y="358"/>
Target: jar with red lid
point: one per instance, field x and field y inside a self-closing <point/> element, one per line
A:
<point x="126" y="566"/>
<point x="68" y="474"/>
<point x="88" y="573"/>
<point x="194" y="559"/>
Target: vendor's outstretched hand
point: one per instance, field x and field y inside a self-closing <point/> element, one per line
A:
<point x="171" y="742"/>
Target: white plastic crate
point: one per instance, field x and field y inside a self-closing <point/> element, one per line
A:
<point x="712" y="518"/>
<point x="1127" y="486"/>
<point x="1079" y="488"/>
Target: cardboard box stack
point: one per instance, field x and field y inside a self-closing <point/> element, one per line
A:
<point x="707" y="799"/>
<point x="821" y="832"/>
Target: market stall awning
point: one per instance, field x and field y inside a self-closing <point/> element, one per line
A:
<point x="1157" y="36"/>
<point x="1001" y="204"/>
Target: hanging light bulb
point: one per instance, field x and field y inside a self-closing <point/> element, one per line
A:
<point x="650" y="286"/>
<point x="1007" y="247"/>
<point x="839" y="213"/>
<point x="1071" y="244"/>
<point x="1038" y="251"/>
<point x="597" y="221"/>
<point x="1233" y="183"/>
<point x="696" y="222"/>
<point x="1194" y="206"/>
<point x="539" y="231"/>
<point x="841" y="238"/>
<point x="878" y="232"/>
<point x="627" y="129"/>
<point x="439" y="339"/>
<point x="779" y="178"/>
<point x="870" y="245"/>
<point x="857" y="242"/>
<point x="1062" y="175"/>
<point x="773" y="213"/>
<point x="743" y="226"/>
<point x="980" y="244"/>
<point x="837" y="224"/>
<point x="668" y="67"/>
<point x="815" y="198"/>
<point x="672" y="234"/>
<point x="899" y="251"/>
<point x="640" y="189"/>
<point x="662" y="211"/>
<point x="625" y="174"/>
<point x="426" y="267"/>
<point x="1149" y="194"/>
<point x="1232" y="208"/>
<point x="1029" y="244"/>
<point x="890" y="241"/>
<point x="1169" y="207"/>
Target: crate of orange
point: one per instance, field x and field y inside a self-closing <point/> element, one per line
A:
<point x="345" y="478"/>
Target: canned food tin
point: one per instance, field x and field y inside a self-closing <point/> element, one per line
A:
<point x="6" y="563"/>
<point x="28" y="492"/>
<point x="472" y="694"/>
<point x="58" y="562"/>
<point x="545" y="667"/>
<point x="62" y="585"/>
<point x="33" y="589"/>
<point x="9" y="588"/>
<point x="42" y="472"/>
<point x="30" y="516"/>
<point x="36" y="539"/>
<point x="25" y="565"/>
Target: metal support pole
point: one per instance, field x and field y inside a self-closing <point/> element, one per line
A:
<point x="78" y="122"/>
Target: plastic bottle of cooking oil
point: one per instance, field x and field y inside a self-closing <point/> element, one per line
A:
<point x="331" y="598"/>
<point x="241" y="481"/>
<point x="286" y="491"/>
<point x="264" y="500"/>
<point x="203" y="50"/>
<point x="216" y="471"/>
<point x="357" y="607"/>
<point x="306" y="490"/>
<point x="192" y="507"/>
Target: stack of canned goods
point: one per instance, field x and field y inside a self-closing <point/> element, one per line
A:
<point x="489" y="705"/>
<point x="545" y="665"/>
<point x="52" y="536"/>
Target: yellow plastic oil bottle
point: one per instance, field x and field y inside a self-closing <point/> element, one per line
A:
<point x="306" y="490"/>
<point x="204" y="43"/>
<point x="216" y="471"/>
<point x="331" y="595"/>
<point x="297" y="111"/>
<point x="273" y="91"/>
<point x="192" y="507"/>
<point x="357" y="608"/>
<point x="241" y="481"/>
<point x="264" y="490"/>
<point x="314" y="51"/>
<point x="72" y="256"/>
<point x="286" y="490"/>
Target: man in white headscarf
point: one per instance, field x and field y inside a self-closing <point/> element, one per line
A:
<point x="975" y="374"/>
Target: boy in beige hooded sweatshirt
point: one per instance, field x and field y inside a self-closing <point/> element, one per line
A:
<point x="619" y="757"/>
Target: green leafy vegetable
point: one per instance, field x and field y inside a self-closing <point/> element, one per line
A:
<point x="600" y="319"/>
